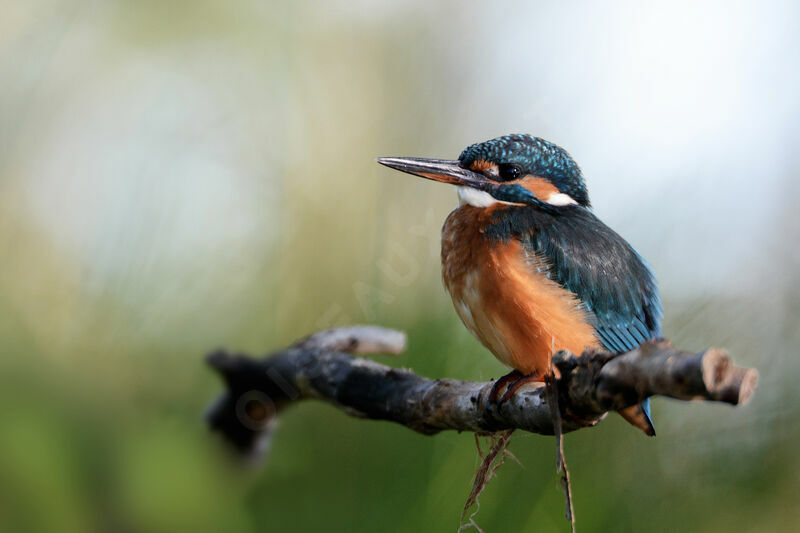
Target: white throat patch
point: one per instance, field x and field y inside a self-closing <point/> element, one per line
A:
<point x="474" y="197"/>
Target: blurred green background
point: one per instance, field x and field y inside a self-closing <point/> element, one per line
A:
<point x="177" y="176"/>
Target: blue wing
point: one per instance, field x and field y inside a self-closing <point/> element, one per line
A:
<point x="589" y="259"/>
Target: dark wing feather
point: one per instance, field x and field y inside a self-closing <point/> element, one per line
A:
<point x="588" y="258"/>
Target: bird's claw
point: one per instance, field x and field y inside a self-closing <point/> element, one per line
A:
<point x="512" y="383"/>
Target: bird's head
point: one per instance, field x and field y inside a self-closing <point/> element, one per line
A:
<point x="513" y="169"/>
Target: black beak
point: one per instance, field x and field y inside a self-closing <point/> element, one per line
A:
<point x="443" y="170"/>
<point x="452" y="172"/>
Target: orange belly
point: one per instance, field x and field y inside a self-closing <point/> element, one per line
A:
<point x="516" y="312"/>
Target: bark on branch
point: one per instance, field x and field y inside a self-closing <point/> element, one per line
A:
<point x="589" y="386"/>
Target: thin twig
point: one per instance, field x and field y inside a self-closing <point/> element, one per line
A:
<point x="561" y="461"/>
<point x="490" y="463"/>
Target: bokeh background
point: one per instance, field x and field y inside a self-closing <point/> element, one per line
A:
<point x="178" y="176"/>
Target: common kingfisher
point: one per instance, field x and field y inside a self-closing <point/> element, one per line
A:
<point x="530" y="268"/>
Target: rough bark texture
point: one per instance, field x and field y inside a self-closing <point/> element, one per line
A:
<point x="590" y="385"/>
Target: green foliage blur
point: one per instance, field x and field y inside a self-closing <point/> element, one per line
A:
<point x="178" y="176"/>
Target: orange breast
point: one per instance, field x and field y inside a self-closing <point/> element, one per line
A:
<point x="517" y="313"/>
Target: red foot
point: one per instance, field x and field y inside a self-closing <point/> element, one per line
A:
<point x="512" y="383"/>
<point x="504" y="381"/>
<point x="514" y="386"/>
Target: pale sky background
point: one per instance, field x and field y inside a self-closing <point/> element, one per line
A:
<point x="680" y="118"/>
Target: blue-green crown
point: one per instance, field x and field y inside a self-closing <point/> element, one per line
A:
<point x="534" y="156"/>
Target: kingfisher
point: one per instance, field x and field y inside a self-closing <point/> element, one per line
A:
<point x="530" y="269"/>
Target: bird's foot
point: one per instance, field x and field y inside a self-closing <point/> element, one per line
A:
<point x="508" y="385"/>
<point x="501" y="382"/>
<point x="514" y="386"/>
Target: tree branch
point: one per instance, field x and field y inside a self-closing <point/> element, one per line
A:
<point x="321" y="366"/>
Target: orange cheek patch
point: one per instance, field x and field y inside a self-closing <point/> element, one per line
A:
<point x="540" y="187"/>
<point x="481" y="165"/>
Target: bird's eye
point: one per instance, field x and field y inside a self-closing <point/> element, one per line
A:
<point x="509" y="172"/>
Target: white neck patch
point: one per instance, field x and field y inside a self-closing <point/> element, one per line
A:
<point x="559" y="199"/>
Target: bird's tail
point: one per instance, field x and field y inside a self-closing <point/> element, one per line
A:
<point x="639" y="416"/>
